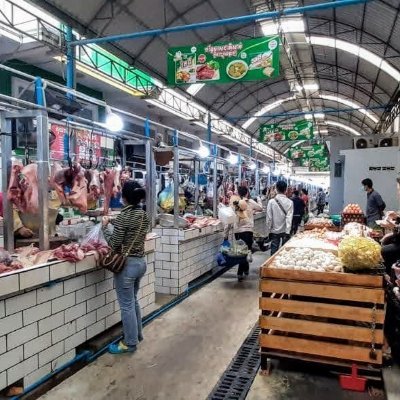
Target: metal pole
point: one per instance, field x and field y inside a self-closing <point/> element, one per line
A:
<point x="215" y="194"/>
<point x="6" y="150"/>
<point x="240" y="170"/>
<point x="219" y="22"/>
<point x="70" y="73"/>
<point x="149" y="172"/>
<point x="176" y="180"/>
<point x="257" y="173"/>
<point x="43" y="178"/>
<point x="209" y="131"/>
<point x="196" y="183"/>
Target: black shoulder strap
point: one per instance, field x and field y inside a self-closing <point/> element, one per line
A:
<point x="280" y="206"/>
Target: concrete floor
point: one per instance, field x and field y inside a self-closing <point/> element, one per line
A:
<point x="285" y="383"/>
<point x="185" y="351"/>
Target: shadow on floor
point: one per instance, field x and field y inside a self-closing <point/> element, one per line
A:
<point x="305" y="383"/>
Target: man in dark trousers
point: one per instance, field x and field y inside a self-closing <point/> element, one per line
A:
<point x="321" y="200"/>
<point x="298" y="211"/>
<point x="375" y="204"/>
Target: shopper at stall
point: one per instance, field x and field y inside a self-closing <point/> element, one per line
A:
<point x="245" y="209"/>
<point x="391" y="241"/>
<point x="298" y="211"/>
<point x="129" y="233"/>
<point x="375" y="204"/>
<point x="304" y="197"/>
<point x="321" y="200"/>
<point x="279" y="217"/>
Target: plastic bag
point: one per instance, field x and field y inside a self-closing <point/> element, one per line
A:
<point x="166" y="199"/>
<point x="221" y="259"/>
<point x="239" y="248"/>
<point x="226" y="215"/>
<point x="94" y="236"/>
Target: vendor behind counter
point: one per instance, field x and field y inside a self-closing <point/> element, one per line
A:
<point x="21" y="231"/>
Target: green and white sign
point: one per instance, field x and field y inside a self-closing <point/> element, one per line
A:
<point x="307" y="152"/>
<point x="226" y="62"/>
<point x="300" y="130"/>
<point x="319" y="164"/>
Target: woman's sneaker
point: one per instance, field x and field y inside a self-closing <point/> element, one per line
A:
<point x="120" y="348"/>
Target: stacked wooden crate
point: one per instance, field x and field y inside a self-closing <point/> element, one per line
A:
<point x="330" y="318"/>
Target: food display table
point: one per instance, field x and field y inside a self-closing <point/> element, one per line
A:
<point x="324" y="317"/>
<point x="47" y="311"/>
<point x="185" y="255"/>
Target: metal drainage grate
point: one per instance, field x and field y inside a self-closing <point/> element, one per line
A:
<point x="238" y="377"/>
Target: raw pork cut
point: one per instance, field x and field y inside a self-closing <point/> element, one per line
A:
<point x="111" y="186"/>
<point x="74" y="179"/>
<point x="23" y="188"/>
<point x="69" y="252"/>
<point x="93" y="178"/>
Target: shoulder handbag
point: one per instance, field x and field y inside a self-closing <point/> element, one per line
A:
<point x="115" y="261"/>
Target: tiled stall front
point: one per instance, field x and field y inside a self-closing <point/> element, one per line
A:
<point x="47" y="311"/>
<point x="184" y="256"/>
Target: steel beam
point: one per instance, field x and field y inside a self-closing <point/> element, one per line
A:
<point x="219" y="22"/>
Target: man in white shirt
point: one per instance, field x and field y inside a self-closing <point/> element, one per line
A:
<point x="279" y="217"/>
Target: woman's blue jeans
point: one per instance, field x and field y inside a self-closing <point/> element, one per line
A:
<point x="127" y="284"/>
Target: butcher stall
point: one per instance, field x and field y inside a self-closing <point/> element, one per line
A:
<point x="48" y="310"/>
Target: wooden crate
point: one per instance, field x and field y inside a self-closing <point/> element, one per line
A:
<point x="320" y="316"/>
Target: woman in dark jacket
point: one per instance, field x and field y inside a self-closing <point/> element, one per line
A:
<point x="130" y="229"/>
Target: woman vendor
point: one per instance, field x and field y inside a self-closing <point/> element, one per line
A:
<point x="391" y="241"/>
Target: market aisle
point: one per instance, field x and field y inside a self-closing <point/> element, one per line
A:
<point x="185" y="351"/>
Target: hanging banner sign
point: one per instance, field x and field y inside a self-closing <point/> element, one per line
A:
<point x="307" y="152"/>
<point x="300" y="130"/>
<point x="57" y="147"/>
<point x="319" y="164"/>
<point x="226" y="62"/>
<point x="87" y="142"/>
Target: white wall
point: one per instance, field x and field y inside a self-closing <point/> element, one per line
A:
<point x="336" y="194"/>
<point x="357" y="167"/>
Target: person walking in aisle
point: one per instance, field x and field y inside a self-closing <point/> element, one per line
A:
<point x="129" y="232"/>
<point x="375" y="204"/>
<point x="244" y="208"/>
<point x="298" y="211"/>
<point x="321" y="200"/>
<point x="279" y="217"/>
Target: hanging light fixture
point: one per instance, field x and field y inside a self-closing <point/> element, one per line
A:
<point x="233" y="159"/>
<point x="252" y="165"/>
<point x="114" y="122"/>
<point x="266" y="169"/>
<point x="203" y="151"/>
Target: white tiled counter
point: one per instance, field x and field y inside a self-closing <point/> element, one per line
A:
<point x="47" y="311"/>
<point x="185" y="255"/>
<point x="260" y="224"/>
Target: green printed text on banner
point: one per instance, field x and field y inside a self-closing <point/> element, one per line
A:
<point x="226" y="62"/>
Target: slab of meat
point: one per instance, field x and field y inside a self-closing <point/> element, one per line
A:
<point x="14" y="266"/>
<point x="72" y="186"/>
<point x="111" y="186"/>
<point x="23" y="188"/>
<point x="94" y="186"/>
<point x="99" y="247"/>
<point x="69" y="252"/>
<point x="205" y="72"/>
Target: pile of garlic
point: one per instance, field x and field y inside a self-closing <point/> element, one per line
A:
<point x="307" y="260"/>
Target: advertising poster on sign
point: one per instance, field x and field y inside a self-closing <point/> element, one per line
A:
<point x="226" y="62"/>
<point x="86" y="141"/>
<point x="300" y="130"/>
<point x="57" y="148"/>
